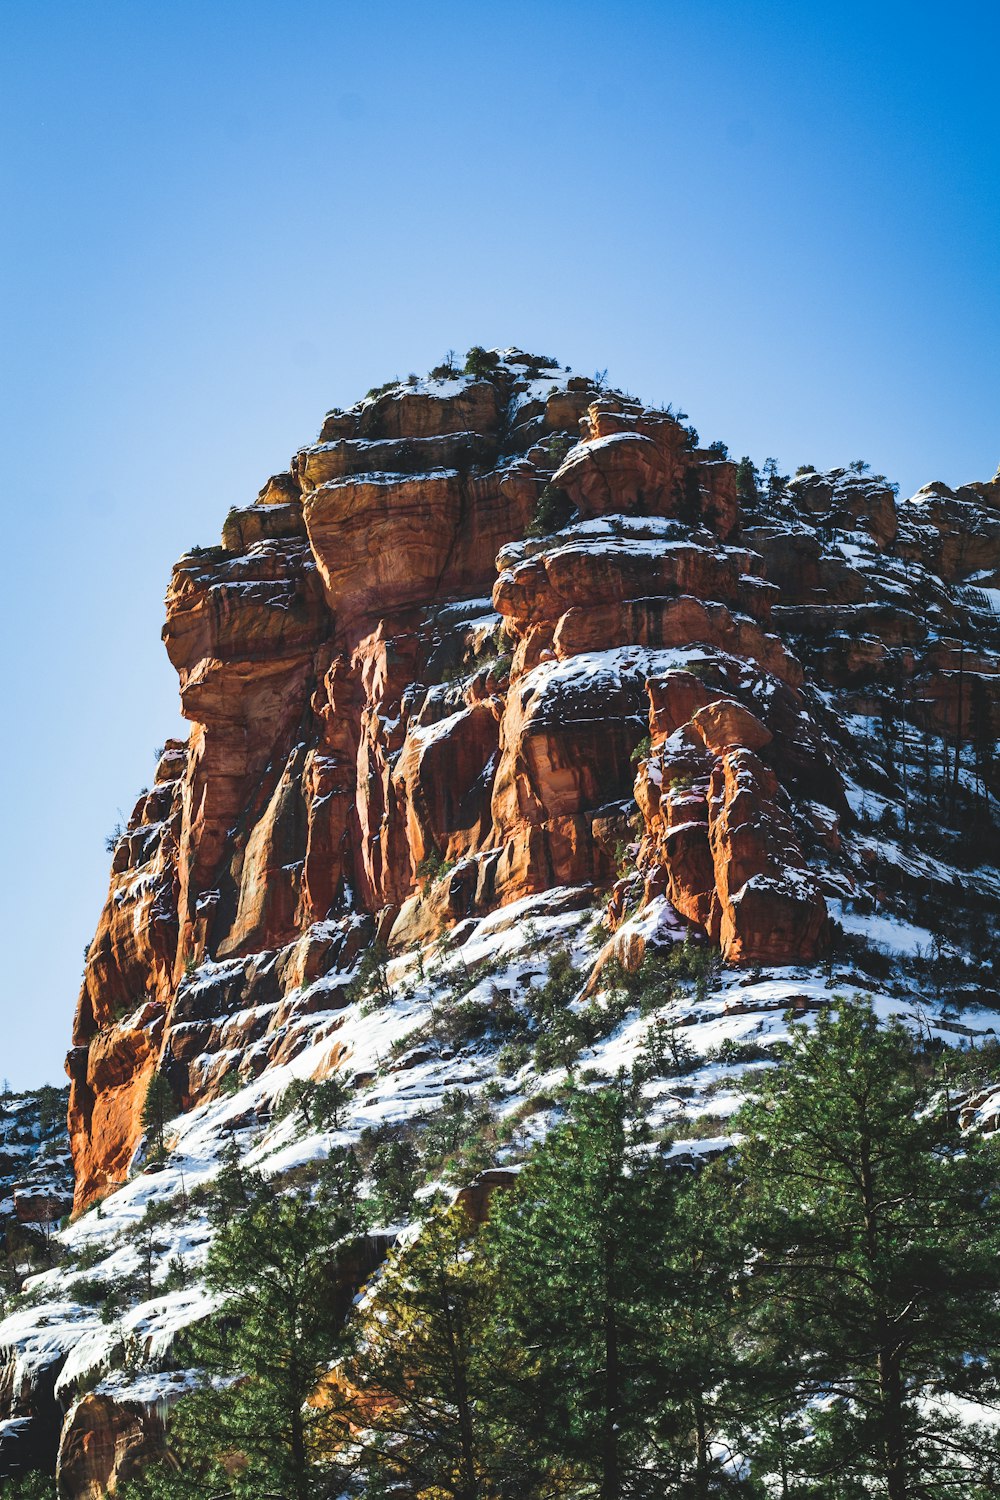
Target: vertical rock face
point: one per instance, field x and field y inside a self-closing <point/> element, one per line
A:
<point x="128" y="983"/>
<point x="485" y="634"/>
<point x="105" y="1443"/>
<point x="717" y="821"/>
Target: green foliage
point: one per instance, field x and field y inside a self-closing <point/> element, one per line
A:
<point x="433" y="868"/>
<point x="559" y="445"/>
<point x="623" y="1326"/>
<point x="319" y="1104"/>
<point x="51" y="1111"/>
<point x="89" y="1254"/>
<point x="615" y="1355"/>
<point x="624" y="857"/>
<point x="447" y="369"/>
<point x="421" y="1361"/>
<point x="641" y="751"/>
<point x="372" y="978"/>
<point x="230" y="1083"/>
<point x="664" y="974"/>
<point x="373" y="393"/>
<point x="773" y="482"/>
<point x="89" y="1291"/>
<point x="734" y="1053"/>
<point x="878" y="1223"/>
<point x="35" y="1486"/>
<point x="395" y="1172"/>
<point x="747" y="480"/>
<point x="460" y="1119"/>
<point x="481" y="362"/>
<point x="559" y="1030"/>
<point x="178" y="1276"/>
<point x="665" y="1052"/>
<point x="157" y="1110"/>
<point x="458" y="1022"/>
<point x="553" y="509"/>
<point x="512" y="1057"/>
<point x="273" y="1263"/>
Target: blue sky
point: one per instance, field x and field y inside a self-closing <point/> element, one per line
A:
<point x="219" y="219"/>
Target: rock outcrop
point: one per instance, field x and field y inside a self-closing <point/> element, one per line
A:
<point x="423" y="668"/>
<point x="505" y="665"/>
<point x="36" y="1193"/>
<point x="104" y="1443"/>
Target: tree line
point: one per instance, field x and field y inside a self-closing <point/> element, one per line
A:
<point x="813" y="1313"/>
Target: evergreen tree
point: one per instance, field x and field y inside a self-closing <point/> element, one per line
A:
<point x="423" y="1380"/>
<point x="560" y="1031"/>
<point x="879" y="1276"/>
<point x="319" y="1102"/>
<point x="372" y="978"/>
<point x="703" y="1400"/>
<point x="747" y="480"/>
<point x="51" y="1111"/>
<point x="394" y="1166"/>
<point x="331" y="1098"/>
<point x="338" y="1179"/>
<point x="34" y="1486"/>
<point x="611" y="1291"/>
<point x="158" y="1108"/>
<point x="255" y="1434"/>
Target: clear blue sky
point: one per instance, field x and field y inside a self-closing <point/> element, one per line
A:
<point x="219" y="219"/>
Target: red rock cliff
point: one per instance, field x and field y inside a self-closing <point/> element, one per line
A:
<point x="409" y="704"/>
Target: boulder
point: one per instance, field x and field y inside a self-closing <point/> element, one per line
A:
<point x="724" y="723"/>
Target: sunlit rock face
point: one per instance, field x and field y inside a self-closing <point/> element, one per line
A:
<point x="483" y="636"/>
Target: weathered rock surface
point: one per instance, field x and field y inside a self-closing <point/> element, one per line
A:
<point x="410" y="703"/>
<point x="495" y="651"/>
<point x="104" y="1443"/>
<point x="718" y="836"/>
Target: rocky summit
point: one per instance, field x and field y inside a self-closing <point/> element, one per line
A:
<point x="505" y="664"/>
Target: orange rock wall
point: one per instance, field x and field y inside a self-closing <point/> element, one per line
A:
<point x="387" y="680"/>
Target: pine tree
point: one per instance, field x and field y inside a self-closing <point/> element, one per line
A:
<point x="273" y="1267"/>
<point x="747" y="480"/>
<point x="51" y="1111"/>
<point x="611" y="1292"/>
<point x="372" y="978"/>
<point x="34" y="1486"/>
<point x="320" y="1103"/>
<point x="420" y="1370"/>
<point x="703" y="1398"/>
<point x="159" y="1107"/>
<point x="879" y="1276"/>
<point x="332" y="1096"/>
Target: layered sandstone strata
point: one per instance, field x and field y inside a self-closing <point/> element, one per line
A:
<point x="411" y="701"/>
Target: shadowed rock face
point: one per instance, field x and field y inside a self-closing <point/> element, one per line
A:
<point x="104" y="1444"/>
<point x="407" y="708"/>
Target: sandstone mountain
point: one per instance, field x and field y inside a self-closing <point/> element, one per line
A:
<point x="506" y="663"/>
